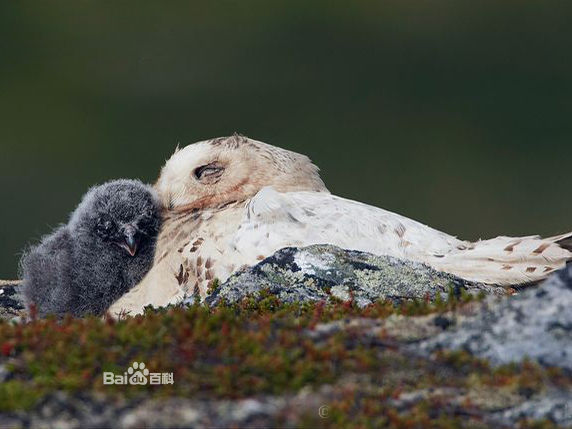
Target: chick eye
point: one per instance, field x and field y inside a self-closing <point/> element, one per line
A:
<point x="148" y="219"/>
<point x="209" y="172"/>
<point x="105" y="226"/>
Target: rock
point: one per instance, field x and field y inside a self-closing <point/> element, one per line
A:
<point x="11" y="300"/>
<point x="553" y="406"/>
<point x="536" y="324"/>
<point x="496" y="408"/>
<point x="322" y="272"/>
<point x="482" y="406"/>
<point x="63" y="410"/>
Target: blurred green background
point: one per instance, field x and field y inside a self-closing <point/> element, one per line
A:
<point x="455" y="113"/>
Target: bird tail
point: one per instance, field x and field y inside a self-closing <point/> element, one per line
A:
<point x="509" y="260"/>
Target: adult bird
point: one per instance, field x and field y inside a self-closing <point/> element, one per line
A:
<point x="232" y="201"/>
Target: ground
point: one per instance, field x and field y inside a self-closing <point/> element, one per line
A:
<point x="260" y="361"/>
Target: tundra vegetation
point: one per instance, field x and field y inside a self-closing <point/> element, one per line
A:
<point x="260" y="347"/>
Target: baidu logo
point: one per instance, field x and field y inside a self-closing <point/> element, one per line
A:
<point x="137" y="373"/>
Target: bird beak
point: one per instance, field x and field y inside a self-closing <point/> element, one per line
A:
<point x="130" y="240"/>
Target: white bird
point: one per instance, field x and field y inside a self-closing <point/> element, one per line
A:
<point x="232" y="201"/>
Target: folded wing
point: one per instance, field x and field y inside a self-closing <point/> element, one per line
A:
<point x="275" y="220"/>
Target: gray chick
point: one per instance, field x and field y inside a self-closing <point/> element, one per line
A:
<point x="106" y="248"/>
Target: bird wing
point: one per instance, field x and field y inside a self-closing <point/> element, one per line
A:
<point x="274" y="220"/>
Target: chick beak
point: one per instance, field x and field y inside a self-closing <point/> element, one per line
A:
<point x="130" y="241"/>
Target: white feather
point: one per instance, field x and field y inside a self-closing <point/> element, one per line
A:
<point x="275" y="220"/>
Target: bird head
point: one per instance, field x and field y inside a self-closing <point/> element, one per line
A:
<point x="124" y="214"/>
<point x="213" y="173"/>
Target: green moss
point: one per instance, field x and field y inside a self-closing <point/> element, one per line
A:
<point x="18" y="395"/>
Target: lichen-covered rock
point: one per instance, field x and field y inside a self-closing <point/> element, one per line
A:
<point x="535" y="324"/>
<point x="321" y="272"/>
<point x="11" y="300"/>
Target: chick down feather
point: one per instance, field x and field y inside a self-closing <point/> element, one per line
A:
<point x="105" y="249"/>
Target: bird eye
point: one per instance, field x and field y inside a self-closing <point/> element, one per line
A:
<point x="209" y="172"/>
<point x="148" y="219"/>
<point x="105" y="226"/>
